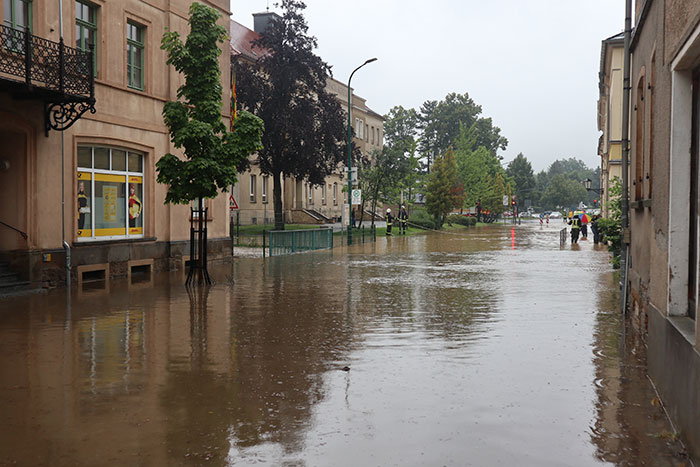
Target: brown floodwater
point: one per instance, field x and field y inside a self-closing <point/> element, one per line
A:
<point x="491" y="347"/>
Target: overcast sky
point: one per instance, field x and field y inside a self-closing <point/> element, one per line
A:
<point x="531" y="64"/>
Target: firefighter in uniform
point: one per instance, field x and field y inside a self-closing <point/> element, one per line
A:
<point x="389" y="221"/>
<point x="575" y="228"/>
<point x="403" y="220"/>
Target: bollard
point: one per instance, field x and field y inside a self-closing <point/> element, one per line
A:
<point x="264" y="243"/>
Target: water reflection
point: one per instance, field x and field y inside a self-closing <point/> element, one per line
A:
<point x="432" y="350"/>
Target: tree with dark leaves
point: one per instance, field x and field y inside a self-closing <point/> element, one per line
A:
<point x="305" y="133"/>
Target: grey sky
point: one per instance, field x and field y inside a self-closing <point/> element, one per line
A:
<point x="531" y="64"/>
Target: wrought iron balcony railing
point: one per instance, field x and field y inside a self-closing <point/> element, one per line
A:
<point x="32" y="67"/>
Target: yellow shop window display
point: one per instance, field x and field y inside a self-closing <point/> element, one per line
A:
<point x="110" y="194"/>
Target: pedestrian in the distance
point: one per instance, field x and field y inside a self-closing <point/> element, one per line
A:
<point x="389" y="221"/>
<point x="403" y="220"/>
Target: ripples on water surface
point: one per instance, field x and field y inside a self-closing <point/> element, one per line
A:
<point x="491" y="348"/>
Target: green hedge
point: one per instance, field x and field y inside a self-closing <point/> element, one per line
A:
<point x="421" y="218"/>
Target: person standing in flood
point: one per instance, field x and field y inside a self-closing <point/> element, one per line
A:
<point x="575" y="223"/>
<point x="594" y="229"/>
<point x="403" y="220"/>
<point x="389" y="221"/>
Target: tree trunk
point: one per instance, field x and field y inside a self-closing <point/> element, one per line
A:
<point x="277" y="199"/>
<point x="362" y="211"/>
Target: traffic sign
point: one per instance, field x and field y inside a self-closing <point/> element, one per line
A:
<point x="232" y="205"/>
<point x="356" y="196"/>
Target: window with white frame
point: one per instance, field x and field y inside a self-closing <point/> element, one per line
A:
<point x="323" y="194"/>
<point x="311" y="193"/>
<point x="110" y="194"/>
<point x="263" y="192"/>
<point x="335" y="194"/>
<point x="253" y="180"/>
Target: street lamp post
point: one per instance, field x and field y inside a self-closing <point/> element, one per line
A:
<point x="587" y="186"/>
<point x="350" y="150"/>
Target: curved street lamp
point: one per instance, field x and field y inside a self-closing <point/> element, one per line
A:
<point x="350" y="149"/>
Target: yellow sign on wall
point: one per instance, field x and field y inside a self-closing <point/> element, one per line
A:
<point x="109" y="196"/>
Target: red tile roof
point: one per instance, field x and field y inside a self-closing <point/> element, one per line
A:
<point x="241" y="41"/>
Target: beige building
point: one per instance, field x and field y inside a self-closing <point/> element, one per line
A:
<point x="610" y="115"/>
<point x="105" y="193"/>
<point x="302" y="202"/>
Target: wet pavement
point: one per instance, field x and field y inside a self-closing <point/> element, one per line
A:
<point x="490" y="347"/>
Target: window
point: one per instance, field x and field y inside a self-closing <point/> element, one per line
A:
<point x="311" y="193"/>
<point x="372" y="135"/>
<point x="360" y="127"/>
<point x="252" y="188"/>
<point x="335" y="194"/>
<point x="18" y="14"/>
<point x="366" y="132"/>
<point x="109" y="201"/>
<point x="638" y="180"/>
<point x="264" y="188"/>
<point x="86" y="30"/>
<point x="134" y="55"/>
<point x="323" y="194"/>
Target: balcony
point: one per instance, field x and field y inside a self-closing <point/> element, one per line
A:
<point x="34" y="68"/>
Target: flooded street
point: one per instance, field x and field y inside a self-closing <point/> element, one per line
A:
<point x="490" y="347"/>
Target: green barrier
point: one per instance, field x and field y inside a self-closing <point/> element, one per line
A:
<point x="286" y="242"/>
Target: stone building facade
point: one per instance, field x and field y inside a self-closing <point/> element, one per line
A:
<point x="103" y="200"/>
<point x="664" y="273"/>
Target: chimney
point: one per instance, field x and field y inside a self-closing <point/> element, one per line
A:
<point x="262" y="21"/>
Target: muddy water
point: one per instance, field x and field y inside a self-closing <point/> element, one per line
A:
<point x="491" y="348"/>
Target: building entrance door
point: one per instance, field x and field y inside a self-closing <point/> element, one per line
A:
<point x="13" y="190"/>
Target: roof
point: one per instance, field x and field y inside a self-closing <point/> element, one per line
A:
<point x="241" y="41"/>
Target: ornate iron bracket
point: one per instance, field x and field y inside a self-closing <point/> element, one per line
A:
<point x="61" y="115"/>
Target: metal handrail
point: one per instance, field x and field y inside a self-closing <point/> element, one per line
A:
<point x="24" y="235"/>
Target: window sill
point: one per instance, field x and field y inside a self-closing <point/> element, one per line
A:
<point x="685" y="326"/>
<point x="77" y="244"/>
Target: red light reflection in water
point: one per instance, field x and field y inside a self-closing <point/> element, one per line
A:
<point x="512" y="238"/>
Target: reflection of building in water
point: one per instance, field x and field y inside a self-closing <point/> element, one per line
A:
<point x="154" y="375"/>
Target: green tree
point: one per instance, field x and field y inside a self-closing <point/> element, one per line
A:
<point x="520" y="170"/>
<point x="380" y="177"/>
<point x="611" y="226"/>
<point x="563" y="191"/>
<point x="306" y="134"/>
<point x="213" y="155"/>
<point x="444" y="192"/>
<point x="442" y="123"/>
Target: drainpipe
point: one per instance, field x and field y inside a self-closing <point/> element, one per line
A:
<point x="624" y="250"/>
<point x="66" y="247"/>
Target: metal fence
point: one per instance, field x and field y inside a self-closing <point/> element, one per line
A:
<point x="285" y="242"/>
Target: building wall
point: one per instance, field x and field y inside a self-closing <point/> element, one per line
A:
<point x="666" y="50"/>
<point x="126" y="119"/>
